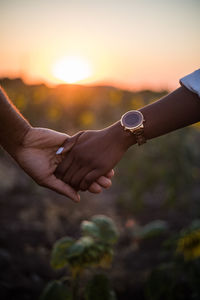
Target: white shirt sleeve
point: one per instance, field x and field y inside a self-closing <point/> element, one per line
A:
<point x="192" y="82"/>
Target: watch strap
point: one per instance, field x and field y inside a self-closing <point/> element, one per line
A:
<point x="139" y="135"/>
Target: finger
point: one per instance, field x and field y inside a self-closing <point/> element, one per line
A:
<point x="73" y="169"/>
<point x="95" y="188"/>
<point x="110" y="174"/>
<point x="62" y="188"/>
<point x="64" y="165"/>
<point x="104" y="182"/>
<point x="78" y="177"/>
<point x="69" y="143"/>
<point x="89" y="179"/>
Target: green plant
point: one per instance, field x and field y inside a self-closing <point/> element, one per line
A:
<point x="150" y="230"/>
<point x="179" y="278"/>
<point x="94" y="249"/>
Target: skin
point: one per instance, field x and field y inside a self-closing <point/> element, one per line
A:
<point x="96" y="152"/>
<point x="34" y="149"/>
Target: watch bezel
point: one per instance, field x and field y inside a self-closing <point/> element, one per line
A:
<point x="132" y="127"/>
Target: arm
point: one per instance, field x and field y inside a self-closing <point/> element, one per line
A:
<point x="13" y="127"/>
<point x="34" y="149"/>
<point x="176" y="110"/>
<point x="99" y="151"/>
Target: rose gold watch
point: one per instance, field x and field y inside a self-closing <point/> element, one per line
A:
<point x="133" y="121"/>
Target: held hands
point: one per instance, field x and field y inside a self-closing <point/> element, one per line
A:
<point x="36" y="155"/>
<point x="85" y="162"/>
<point x="92" y="156"/>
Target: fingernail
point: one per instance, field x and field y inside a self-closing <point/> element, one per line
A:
<point x="60" y="150"/>
<point x="107" y="181"/>
<point x="99" y="190"/>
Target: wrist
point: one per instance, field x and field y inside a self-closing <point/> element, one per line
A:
<point x="125" y="138"/>
<point x="14" y="141"/>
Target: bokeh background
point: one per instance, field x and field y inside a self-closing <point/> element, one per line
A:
<point x="73" y="65"/>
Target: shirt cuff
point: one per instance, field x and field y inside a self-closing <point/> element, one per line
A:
<point x="192" y="82"/>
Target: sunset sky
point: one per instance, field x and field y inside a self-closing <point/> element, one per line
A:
<point x="128" y="43"/>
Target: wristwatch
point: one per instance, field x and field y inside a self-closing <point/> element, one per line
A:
<point x="133" y="121"/>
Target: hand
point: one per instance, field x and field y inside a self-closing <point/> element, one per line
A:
<point x="36" y="155"/>
<point x="93" y="155"/>
<point x="101" y="182"/>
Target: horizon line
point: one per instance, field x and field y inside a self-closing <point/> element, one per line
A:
<point x="102" y="84"/>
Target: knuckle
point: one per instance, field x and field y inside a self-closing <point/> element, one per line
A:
<point x="83" y="189"/>
<point x="74" y="183"/>
<point x="83" y="186"/>
<point x="87" y="180"/>
<point x="99" y="165"/>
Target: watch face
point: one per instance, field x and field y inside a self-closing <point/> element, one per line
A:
<point x="132" y="119"/>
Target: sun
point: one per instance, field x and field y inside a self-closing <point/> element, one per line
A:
<point x="71" y="69"/>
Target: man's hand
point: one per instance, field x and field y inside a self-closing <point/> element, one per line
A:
<point x="93" y="155"/>
<point x="36" y="155"/>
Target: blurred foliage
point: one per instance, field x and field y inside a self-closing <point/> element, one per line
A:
<point x="150" y="230"/>
<point x="101" y="229"/>
<point x="175" y="281"/>
<point x="165" y="171"/>
<point x="189" y="241"/>
<point x="56" y="290"/>
<point x="72" y="107"/>
<point x="180" y="277"/>
<point x="158" y="181"/>
<point x="93" y="250"/>
<point x="99" y="288"/>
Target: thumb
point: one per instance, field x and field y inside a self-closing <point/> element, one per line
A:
<point x="69" y="143"/>
<point x="62" y="188"/>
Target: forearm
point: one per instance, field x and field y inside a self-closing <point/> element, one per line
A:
<point x="176" y="110"/>
<point x="13" y="127"/>
<point x="99" y="151"/>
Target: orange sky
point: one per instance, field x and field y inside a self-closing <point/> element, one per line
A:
<point x="131" y="44"/>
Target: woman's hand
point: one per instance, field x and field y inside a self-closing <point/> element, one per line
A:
<point x="93" y="155"/>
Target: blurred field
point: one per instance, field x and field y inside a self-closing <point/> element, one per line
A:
<point x="158" y="181"/>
